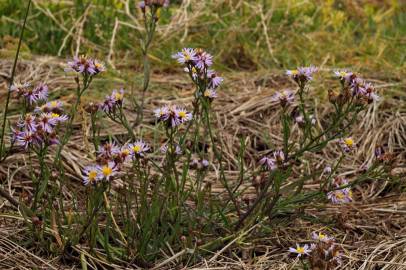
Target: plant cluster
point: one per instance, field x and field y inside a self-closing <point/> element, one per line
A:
<point x="142" y="195"/>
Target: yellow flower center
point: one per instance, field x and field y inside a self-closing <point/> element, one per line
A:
<point x="54" y="104"/>
<point x="294" y="72"/>
<point x="322" y="236"/>
<point x="343" y="73"/>
<point x="194" y="70"/>
<point x="92" y="176"/>
<point x="137" y="148"/>
<point x="125" y="152"/>
<point x="182" y="114"/>
<point x="118" y="96"/>
<point x="349" y="142"/>
<point x="186" y="55"/>
<point x="340" y="195"/>
<point x="300" y="250"/>
<point x="106" y="170"/>
<point x="54" y="115"/>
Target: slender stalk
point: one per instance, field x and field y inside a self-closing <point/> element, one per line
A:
<point x="150" y="30"/>
<point x="219" y="158"/>
<point x="3" y="125"/>
<point x="69" y="130"/>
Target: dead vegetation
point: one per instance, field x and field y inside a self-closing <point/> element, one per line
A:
<point x="370" y="230"/>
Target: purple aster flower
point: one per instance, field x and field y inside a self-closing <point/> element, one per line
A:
<point x="279" y="156"/>
<point x="372" y="97"/>
<point x="344" y="76"/>
<point x="46" y="122"/>
<point x="268" y="163"/>
<point x="30" y="96"/>
<point x="28" y="123"/>
<point x="370" y="94"/>
<point x="193" y="72"/>
<point x="78" y="64"/>
<point x="285" y="97"/>
<point x="210" y="94"/>
<point x="363" y="90"/>
<point x="108" y="105"/>
<point x="91" y="175"/>
<point x="172" y="115"/>
<point x="302" y="74"/>
<point x="300" y="251"/>
<point x="186" y="56"/>
<point x="214" y="79"/>
<point x="178" y="150"/>
<point x="107" y="171"/>
<point x="180" y="116"/>
<point x="199" y="164"/>
<point x="108" y="150"/>
<point x="340" y="196"/>
<point x="343" y="195"/>
<point x="203" y="59"/>
<point x="299" y="119"/>
<point x="98" y="66"/>
<point x="162" y="114"/>
<point x="58" y="118"/>
<point x="55" y="106"/>
<point x="347" y="144"/>
<point x="319" y="236"/>
<point x="327" y="170"/>
<point x="205" y="163"/>
<point x="112" y="101"/>
<point x="139" y="149"/>
<point x="307" y="72"/>
<point x="20" y="88"/>
<point x="358" y="87"/>
<point x="14" y="134"/>
<point x="125" y="153"/>
<point x="41" y="91"/>
<point x="118" y="96"/>
<point x="26" y="139"/>
<point x="85" y="66"/>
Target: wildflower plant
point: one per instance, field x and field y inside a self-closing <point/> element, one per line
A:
<point x="353" y="98"/>
<point x="323" y="253"/>
<point x="142" y="195"/>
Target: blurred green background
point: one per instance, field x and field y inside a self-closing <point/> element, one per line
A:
<point x="243" y="35"/>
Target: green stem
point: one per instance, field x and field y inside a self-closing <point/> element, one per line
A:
<point x="3" y="126"/>
<point x="219" y="157"/>
<point x="150" y="30"/>
<point x="124" y="122"/>
<point x="69" y="130"/>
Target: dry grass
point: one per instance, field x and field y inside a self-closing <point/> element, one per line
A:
<point x="371" y="230"/>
